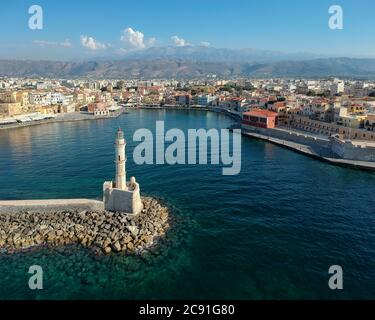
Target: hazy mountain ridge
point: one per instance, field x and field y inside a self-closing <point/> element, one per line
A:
<point x="211" y="54"/>
<point x="172" y="68"/>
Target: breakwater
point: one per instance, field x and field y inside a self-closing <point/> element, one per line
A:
<point x="50" y="205"/>
<point x="99" y="230"/>
<point x="315" y="148"/>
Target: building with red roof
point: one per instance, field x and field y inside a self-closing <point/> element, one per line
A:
<point x="260" y="118"/>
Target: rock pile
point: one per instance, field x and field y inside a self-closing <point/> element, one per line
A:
<point x="102" y="231"/>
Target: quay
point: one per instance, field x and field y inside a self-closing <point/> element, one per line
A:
<point x="66" y="117"/>
<point x="321" y="153"/>
<point x="14" y="206"/>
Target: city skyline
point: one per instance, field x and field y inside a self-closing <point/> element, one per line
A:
<point x="74" y="30"/>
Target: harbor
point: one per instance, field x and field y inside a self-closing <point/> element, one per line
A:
<point x="283" y="207"/>
<point x="122" y="222"/>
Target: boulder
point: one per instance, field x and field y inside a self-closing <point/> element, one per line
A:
<point x="107" y="250"/>
<point x="116" y="247"/>
<point x="133" y="229"/>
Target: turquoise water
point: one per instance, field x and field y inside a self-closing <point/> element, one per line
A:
<point x="270" y="232"/>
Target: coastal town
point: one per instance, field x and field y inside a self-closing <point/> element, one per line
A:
<point x="333" y="115"/>
<point x="186" y="159"/>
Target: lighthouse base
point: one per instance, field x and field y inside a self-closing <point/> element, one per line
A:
<point x="118" y="200"/>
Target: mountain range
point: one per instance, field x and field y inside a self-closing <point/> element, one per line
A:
<point x="211" y="54"/>
<point x="196" y="62"/>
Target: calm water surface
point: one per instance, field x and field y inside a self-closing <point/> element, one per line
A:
<point x="270" y="232"/>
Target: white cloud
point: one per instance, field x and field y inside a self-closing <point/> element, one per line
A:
<point x="179" y="42"/>
<point x="92" y="44"/>
<point x="205" y="44"/>
<point x="135" y="40"/>
<point x="43" y="43"/>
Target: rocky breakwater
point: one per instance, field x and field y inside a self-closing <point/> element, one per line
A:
<point x="103" y="231"/>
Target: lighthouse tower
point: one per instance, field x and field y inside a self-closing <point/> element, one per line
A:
<point x="120" y="143"/>
<point x="120" y="195"/>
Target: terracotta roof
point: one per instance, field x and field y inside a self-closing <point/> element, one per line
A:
<point x="261" y="113"/>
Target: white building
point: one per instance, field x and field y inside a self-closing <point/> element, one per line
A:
<point x="43" y="99"/>
<point x="120" y="195"/>
<point x="337" y="87"/>
<point x="206" y="100"/>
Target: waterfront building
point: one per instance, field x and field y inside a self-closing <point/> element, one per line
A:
<point x="369" y="123"/>
<point x="40" y="98"/>
<point x="10" y="109"/>
<point x="350" y="120"/>
<point x="183" y="99"/>
<point x="232" y="103"/>
<point x="56" y="97"/>
<point x="300" y="122"/>
<point x="23" y="98"/>
<point x="281" y="109"/>
<point x="99" y="109"/>
<point x="260" y="118"/>
<point x="205" y="100"/>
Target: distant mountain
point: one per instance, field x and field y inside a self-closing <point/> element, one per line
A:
<point x="339" y="67"/>
<point x="147" y="67"/>
<point x="210" y="54"/>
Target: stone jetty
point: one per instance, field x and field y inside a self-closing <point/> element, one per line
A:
<point x="103" y="231"/>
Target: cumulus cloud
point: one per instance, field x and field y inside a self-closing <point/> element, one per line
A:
<point x="205" y="44"/>
<point x="92" y="44"/>
<point x="43" y="43"/>
<point x="135" y="40"/>
<point x="179" y="42"/>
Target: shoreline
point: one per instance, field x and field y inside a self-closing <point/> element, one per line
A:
<point x="207" y="109"/>
<point x="293" y="146"/>
<point x="99" y="230"/>
<point x="307" y="151"/>
<point x="78" y="116"/>
<point x="68" y="117"/>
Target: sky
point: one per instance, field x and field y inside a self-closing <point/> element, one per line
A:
<point x="84" y="29"/>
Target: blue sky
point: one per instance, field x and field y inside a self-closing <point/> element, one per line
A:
<point x="287" y="25"/>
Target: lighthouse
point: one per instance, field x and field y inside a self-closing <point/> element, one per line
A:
<point x="120" y="160"/>
<point x="120" y="195"/>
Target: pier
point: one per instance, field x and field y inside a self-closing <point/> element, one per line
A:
<point x="14" y="206"/>
<point x="318" y="153"/>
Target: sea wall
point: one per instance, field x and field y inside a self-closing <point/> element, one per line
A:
<point x="322" y="154"/>
<point x="14" y="206"/>
<point x="352" y="150"/>
<point x="297" y="137"/>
